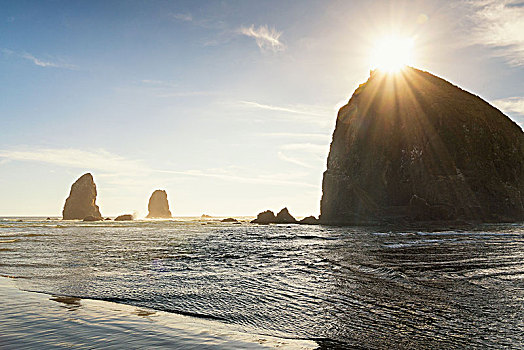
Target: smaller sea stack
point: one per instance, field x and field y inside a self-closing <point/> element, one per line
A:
<point x="283" y="217"/>
<point x="158" y="206"/>
<point x="268" y="217"/>
<point x="124" y="217"/>
<point x="265" y="217"/>
<point x="81" y="201"/>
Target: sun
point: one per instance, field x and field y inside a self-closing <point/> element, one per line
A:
<point x="392" y="53"/>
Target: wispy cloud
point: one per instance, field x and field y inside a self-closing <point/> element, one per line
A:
<point x="293" y="160"/>
<point x="265" y="37"/>
<point x="75" y="158"/>
<point x="207" y="23"/>
<point x="162" y="89"/>
<point x="282" y="179"/>
<point x="187" y="93"/>
<point x="308" y="155"/>
<point x="315" y="114"/>
<point x="158" y="83"/>
<point x="304" y="136"/>
<point x="115" y="168"/>
<point x="38" y="61"/>
<point x="513" y="107"/>
<point x="185" y="17"/>
<point x="500" y="25"/>
<point x="304" y="110"/>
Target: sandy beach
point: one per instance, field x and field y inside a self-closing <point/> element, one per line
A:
<point x="37" y="321"/>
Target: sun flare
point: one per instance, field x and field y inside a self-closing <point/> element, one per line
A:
<point x="392" y="53"/>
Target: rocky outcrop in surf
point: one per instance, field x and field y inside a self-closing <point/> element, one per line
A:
<point x="268" y="217"/>
<point x="264" y="218"/>
<point x="158" y="206"/>
<point x="412" y="147"/>
<point x="81" y="201"/>
<point x="124" y="217"/>
<point x="283" y="217"/>
<point x="309" y="220"/>
<point x="233" y="220"/>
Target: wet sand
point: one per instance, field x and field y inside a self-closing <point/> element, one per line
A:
<point x="36" y="321"/>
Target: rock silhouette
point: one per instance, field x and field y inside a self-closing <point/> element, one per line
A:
<point x="229" y="220"/>
<point x="268" y="217"/>
<point x="265" y="217"/>
<point x="283" y="217"/>
<point x="413" y="147"/>
<point x="124" y="217"/>
<point x="81" y="201"/>
<point x="158" y="206"/>
<point x="309" y="220"/>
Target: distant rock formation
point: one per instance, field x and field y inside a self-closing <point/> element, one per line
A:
<point x="205" y="216"/>
<point x="229" y="220"/>
<point x="309" y="220"/>
<point x="124" y="217"/>
<point x="413" y="147"/>
<point x="265" y="217"/>
<point x="158" y="206"/>
<point x="81" y="201"/>
<point x="268" y="217"/>
<point x="283" y="217"/>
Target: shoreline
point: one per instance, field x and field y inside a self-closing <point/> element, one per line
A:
<point x="39" y="320"/>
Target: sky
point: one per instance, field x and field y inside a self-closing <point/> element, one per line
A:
<point x="227" y="105"/>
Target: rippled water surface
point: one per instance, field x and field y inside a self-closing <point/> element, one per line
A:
<point x="344" y="287"/>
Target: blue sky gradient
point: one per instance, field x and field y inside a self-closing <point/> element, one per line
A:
<point x="228" y="105"/>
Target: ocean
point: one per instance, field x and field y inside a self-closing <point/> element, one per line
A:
<point x="334" y="287"/>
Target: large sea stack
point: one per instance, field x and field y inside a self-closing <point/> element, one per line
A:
<point x="412" y="147"/>
<point x="158" y="206"/>
<point x="81" y="201"/>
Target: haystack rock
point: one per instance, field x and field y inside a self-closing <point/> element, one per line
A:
<point x="412" y="147"/>
<point x="81" y="201"/>
<point x="158" y="206"/>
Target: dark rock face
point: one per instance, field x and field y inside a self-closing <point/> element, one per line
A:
<point x="309" y="220"/>
<point x="124" y="217"/>
<point x="81" y="201"/>
<point x="283" y="217"/>
<point x="413" y="147"/>
<point x="265" y="217"/>
<point x="158" y="206"/>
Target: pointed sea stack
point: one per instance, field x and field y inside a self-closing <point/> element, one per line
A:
<point x="158" y="206"/>
<point x="283" y="217"/>
<point x="412" y="147"/>
<point x="81" y="201"/>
